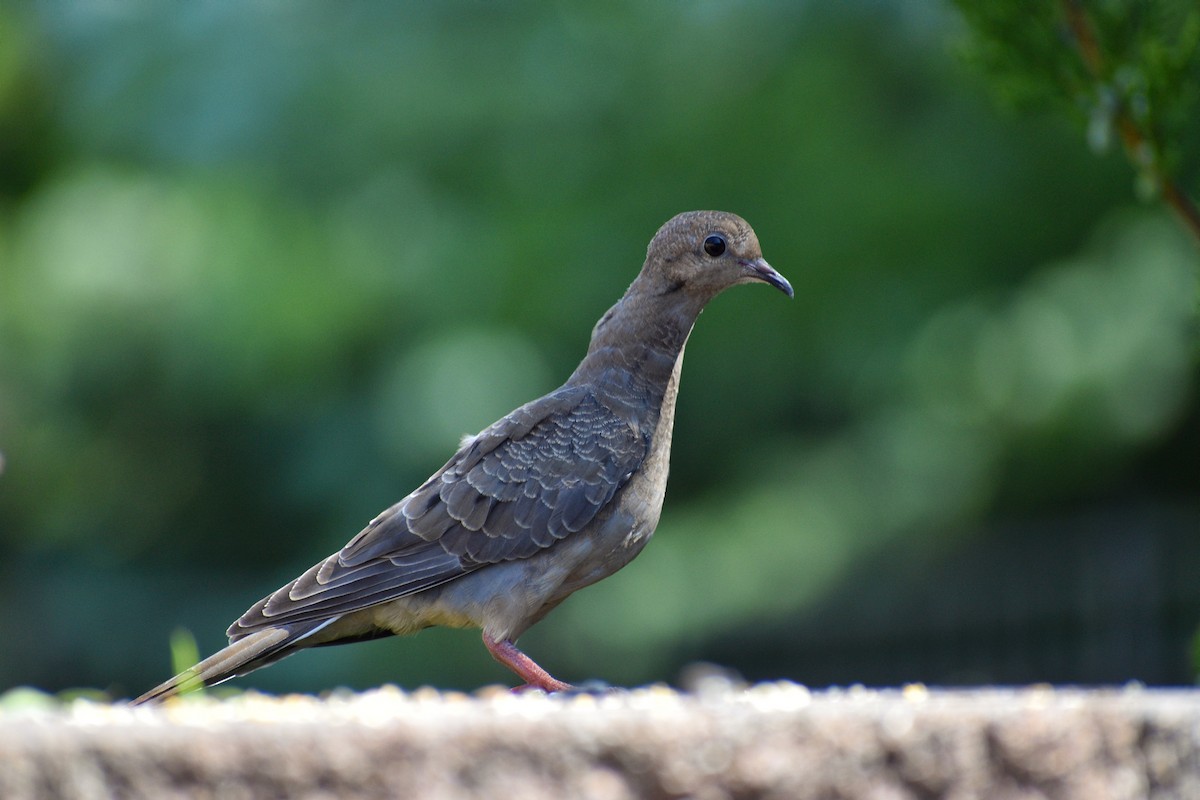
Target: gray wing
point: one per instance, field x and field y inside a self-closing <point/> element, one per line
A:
<point x="537" y="476"/>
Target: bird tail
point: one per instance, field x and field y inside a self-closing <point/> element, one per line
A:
<point x="247" y="654"/>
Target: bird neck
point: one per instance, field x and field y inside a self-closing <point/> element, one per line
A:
<point x="637" y="349"/>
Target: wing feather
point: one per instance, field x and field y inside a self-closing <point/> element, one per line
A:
<point x="537" y="476"/>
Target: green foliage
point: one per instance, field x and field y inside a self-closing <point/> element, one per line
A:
<point x="1196" y="657"/>
<point x="1025" y="49"/>
<point x="184" y="652"/>
<point x="1128" y="69"/>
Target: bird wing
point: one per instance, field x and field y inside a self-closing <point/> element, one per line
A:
<point x="536" y="476"/>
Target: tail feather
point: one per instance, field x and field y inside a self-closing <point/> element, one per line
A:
<point x="247" y="654"/>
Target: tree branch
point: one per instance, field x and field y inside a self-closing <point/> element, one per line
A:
<point x="1139" y="147"/>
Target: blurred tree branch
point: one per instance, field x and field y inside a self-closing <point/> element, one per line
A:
<point x="1140" y="146"/>
<point x="1132" y="68"/>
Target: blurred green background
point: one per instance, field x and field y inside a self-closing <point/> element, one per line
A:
<point x="261" y="264"/>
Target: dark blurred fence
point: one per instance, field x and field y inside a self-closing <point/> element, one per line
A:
<point x="1101" y="597"/>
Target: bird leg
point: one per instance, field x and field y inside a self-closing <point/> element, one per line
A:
<point x="534" y="676"/>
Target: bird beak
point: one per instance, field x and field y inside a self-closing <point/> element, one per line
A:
<point x="759" y="270"/>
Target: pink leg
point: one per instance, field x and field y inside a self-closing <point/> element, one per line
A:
<point x="534" y="676"/>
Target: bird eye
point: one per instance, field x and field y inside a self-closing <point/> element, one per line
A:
<point x="714" y="245"/>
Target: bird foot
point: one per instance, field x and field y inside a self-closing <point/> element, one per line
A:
<point x="555" y="688"/>
<point x="534" y="676"/>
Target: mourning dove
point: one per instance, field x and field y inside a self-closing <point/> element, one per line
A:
<point x="558" y="494"/>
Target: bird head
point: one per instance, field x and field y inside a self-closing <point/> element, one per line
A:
<point x="705" y="252"/>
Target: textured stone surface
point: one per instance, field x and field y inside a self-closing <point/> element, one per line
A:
<point x="767" y="741"/>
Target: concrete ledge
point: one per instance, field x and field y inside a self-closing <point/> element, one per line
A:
<point x="771" y="740"/>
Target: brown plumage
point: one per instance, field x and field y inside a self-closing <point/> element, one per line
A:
<point x="558" y="494"/>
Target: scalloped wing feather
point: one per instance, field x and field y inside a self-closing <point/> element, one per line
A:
<point x="540" y="474"/>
